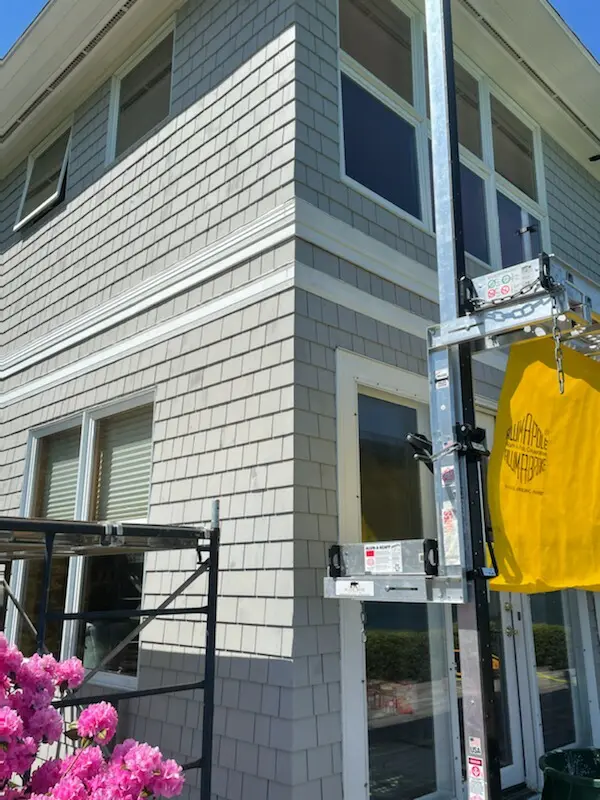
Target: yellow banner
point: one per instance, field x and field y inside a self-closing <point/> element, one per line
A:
<point x="544" y="473"/>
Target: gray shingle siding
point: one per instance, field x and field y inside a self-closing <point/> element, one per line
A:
<point x="573" y="209"/>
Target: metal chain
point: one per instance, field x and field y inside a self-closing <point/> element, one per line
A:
<point x="558" y="352"/>
<point x="501" y="300"/>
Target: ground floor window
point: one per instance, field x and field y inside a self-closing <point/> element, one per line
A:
<point x="97" y="469"/>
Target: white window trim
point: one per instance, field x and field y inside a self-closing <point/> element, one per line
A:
<point x="88" y="421"/>
<point x="35" y="153"/>
<point x="115" y="88"/>
<point x="416" y="115"/>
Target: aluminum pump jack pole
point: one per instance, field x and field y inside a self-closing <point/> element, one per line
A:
<point x="481" y="741"/>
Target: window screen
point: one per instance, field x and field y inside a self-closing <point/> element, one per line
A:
<point x="513" y="149"/>
<point x="145" y="95"/>
<point x="47" y="179"/>
<point x="124" y="462"/>
<point x="377" y="34"/>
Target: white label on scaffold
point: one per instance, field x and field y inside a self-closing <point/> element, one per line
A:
<point x="348" y="588"/>
<point x="383" y="559"/>
<point x="450" y="531"/>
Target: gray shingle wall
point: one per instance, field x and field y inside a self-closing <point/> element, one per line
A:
<point x="318" y="139"/>
<point x="225" y="158"/>
<point x="573" y="209"/>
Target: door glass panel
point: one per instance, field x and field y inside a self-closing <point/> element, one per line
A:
<point x="407" y="688"/>
<point x="556" y="675"/>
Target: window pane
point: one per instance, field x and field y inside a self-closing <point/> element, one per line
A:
<point x="389" y="475"/>
<point x="124" y="463"/>
<point x="55" y="499"/>
<point x="556" y="675"/>
<point x="467" y="102"/>
<point x="516" y="246"/>
<point x="473" y="210"/>
<point x="513" y="149"/>
<point x="377" y="34"/>
<point x="44" y="180"/>
<point x="145" y="95"/>
<point x="474" y="214"/>
<point x="380" y="148"/>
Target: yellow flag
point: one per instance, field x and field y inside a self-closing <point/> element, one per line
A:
<point x="544" y="473"/>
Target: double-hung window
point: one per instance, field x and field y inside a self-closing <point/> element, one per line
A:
<point x="99" y="469"/>
<point x="46" y="178"/>
<point x="386" y="147"/>
<point x="141" y="95"/>
<point x="383" y="134"/>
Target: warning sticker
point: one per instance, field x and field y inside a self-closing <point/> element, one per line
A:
<point x="476" y="790"/>
<point x="448" y="475"/>
<point x="475" y="746"/>
<point x="383" y="559"/>
<point x="450" y="530"/>
<point x="354" y="588"/>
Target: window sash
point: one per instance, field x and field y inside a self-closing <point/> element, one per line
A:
<point x="45" y="183"/>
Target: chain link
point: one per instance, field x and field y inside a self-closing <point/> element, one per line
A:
<point x="506" y="299"/>
<point x="558" y="351"/>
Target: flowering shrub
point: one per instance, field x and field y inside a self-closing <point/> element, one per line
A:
<point x="28" y="720"/>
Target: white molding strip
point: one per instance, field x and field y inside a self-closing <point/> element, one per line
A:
<point x="247" y="242"/>
<point x="273" y="283"/>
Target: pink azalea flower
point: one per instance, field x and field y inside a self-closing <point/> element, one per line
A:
<point x="169" y="782"/>
<point x="46" y="776"/>
<point x="98" y="722"/>
<point x="69" y="674"/>
<point x="11" y="725"/>
<point x="70" y="788"/>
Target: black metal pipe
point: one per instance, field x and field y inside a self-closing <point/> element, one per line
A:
<point x="78" y="527"/>
<point x="45" y="593"/>
<point x="197" y="764"/>
<point x="123" y="613"/>
<point x="208" y="711"/>
<point x="69" y="702"/>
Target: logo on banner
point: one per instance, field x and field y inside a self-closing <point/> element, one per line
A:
<point x="526" y="450"/>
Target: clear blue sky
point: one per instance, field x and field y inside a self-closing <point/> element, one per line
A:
<point x="582" y="15"/>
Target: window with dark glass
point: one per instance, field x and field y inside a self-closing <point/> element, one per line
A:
<point x="520" y="234"/>
<point x="46" y="180"/>
<point x="380" y="148"/>
<point x="145" y="95"/>
<point x="513" y="149"/>
<point x="378" y="35"/>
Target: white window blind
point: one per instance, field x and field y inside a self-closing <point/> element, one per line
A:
<point x="124" y="464"/>
<point x="57" y="477"/>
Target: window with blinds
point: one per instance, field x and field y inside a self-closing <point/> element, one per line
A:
<point x="57" y="475"/>
<point x="124" y="464"/>
<point x="55" y="497"/>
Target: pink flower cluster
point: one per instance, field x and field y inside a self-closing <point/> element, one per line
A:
<point x="28" y="720"/>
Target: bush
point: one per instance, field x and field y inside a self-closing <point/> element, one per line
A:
<point x="398" y="656"/>
<point x="550" y="646"/>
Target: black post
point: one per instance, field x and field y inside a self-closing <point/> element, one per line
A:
<point x="208" y="711"/>
<point x="45" y="593"/>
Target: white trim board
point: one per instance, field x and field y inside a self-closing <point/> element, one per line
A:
<point x="295" y="218"/>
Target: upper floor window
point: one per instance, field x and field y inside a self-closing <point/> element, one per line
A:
<point x="46" y="178"/>
<point x="98" y="471"/>
<point x="386" y="148"/>
<point x="142" y="95"/>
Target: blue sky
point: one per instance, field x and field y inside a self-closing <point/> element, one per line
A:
<point x="582" y="15"/>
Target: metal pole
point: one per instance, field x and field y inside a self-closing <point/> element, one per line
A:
<point x="45" y="593"/>
<point x="208" y="711"/>
<point x="482" y="750"/>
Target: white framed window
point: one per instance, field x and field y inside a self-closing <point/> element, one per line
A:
<point x="46" y="177"/>
<point x="141" y="93"/>
<point x="93" y="467"/>
<point x="385" y="141"/>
